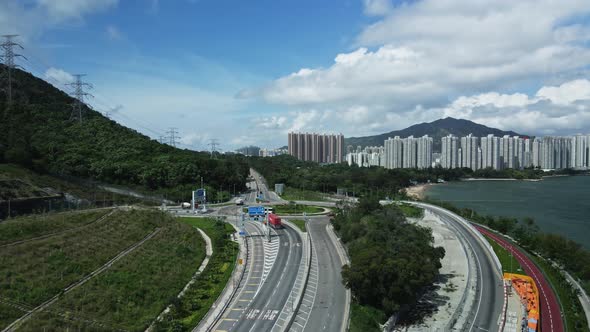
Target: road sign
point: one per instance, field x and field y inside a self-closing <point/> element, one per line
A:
<point x="256" y="211"/>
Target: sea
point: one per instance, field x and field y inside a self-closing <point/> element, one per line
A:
<point x="559" y="205"/>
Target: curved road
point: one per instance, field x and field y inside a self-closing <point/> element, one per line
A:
<point x="490" y="294"/>
<point x="329" y="304"/>
<point x="550" y="310"/>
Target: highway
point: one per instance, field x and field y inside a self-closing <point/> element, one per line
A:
<point x="270" y="276"/>
<point x="490" y="294"/>
<point x="550" y="310"/>
<point x="324" y="304"/>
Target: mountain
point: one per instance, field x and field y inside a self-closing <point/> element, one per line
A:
<point x="436" y="129"/>
<point x="37" y="132"/>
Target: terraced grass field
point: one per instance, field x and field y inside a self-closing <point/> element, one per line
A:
<point x="128" y="295"/>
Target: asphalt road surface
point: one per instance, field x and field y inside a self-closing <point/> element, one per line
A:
<point x="550" y="313"/>
<point x="265" y="293"/>
<point x="490" y="297"/>
<point x="329" y="304"/>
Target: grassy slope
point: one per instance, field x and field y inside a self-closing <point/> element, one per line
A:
<point x="136" y="289"/>
<point x="189" y="311"/>
<point x="81" y="190"/>
<point x="23" y="228"/>
<point x="35" y="271"/>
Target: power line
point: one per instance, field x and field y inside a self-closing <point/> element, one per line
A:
<point x="214" y="143"/>
<point x="172" y="136"/>
<point x="79" y="93"/>
<point x="8" y="45"/>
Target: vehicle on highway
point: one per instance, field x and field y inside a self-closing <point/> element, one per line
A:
<point x="274" y="221"/>
<point x="187" y="205"/>
<point x="269" y="210"/>
<point x="240" y="201"/>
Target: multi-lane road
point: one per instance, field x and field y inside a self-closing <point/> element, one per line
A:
<point x="324" y="306"/>
<point x="270" y="275"/>
<point x="265" y="297"/>
<point x="489" y="295"/>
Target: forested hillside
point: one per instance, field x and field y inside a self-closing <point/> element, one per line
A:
<point x="37" y="132"/>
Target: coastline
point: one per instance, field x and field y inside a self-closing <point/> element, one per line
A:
<point x="418" y="191"/>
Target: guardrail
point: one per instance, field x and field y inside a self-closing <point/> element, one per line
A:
<point x="345" y="260"/>
<point x="297" y="295"/>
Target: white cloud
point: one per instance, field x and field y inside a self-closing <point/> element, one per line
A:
<point x="60" y="10"/>
<point x="377" y="7"/>
<point x="566" y="93"/>
<point x="30" y="19"/>
<point x="416" y="61"/>
<point x="60" y="76"/>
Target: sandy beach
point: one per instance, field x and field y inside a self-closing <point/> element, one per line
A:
<point x="418" y="191"/>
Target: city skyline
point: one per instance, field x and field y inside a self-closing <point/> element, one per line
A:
<point x="493" y="152"/>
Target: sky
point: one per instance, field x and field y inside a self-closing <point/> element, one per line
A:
<point x="248" y="72"/>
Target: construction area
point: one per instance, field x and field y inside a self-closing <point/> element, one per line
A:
<point x="521" y="302"/>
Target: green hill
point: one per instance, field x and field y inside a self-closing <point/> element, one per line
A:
<point x="38" y="133"/>
<point x="436" y="129"/>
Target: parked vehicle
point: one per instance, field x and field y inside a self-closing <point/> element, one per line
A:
<point x="274" y="221"/>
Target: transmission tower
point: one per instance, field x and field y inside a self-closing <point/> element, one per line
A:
<point x="8" y="57"/>
<point x="172" y="136"/>
<point x="79" y="94"/>
<point x="213" y="143"/>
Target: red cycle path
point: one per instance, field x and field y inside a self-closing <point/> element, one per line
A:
<point x="550" y="312"/>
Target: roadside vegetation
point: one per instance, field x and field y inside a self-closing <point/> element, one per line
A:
<point x="411" y="211"/>
<point x="312" y="179"/>
<point x="131" y="293"/>
<point x="296" y="209"/>
<point x="568" y="254"/>
<point x="507" y="260"/>
<point x="22" y="228"/>
<point x="392" y="261"/>
<point x="299" y="223"/>
<point x="187" y="312"/>
<point x="296" y="194"/>
<point x="573" y="313"/>
<point x="365" y="318"/>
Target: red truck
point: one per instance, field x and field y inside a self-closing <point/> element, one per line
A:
<point x="274" y="221"/>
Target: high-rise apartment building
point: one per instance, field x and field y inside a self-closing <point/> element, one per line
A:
<point x="450" y="152"/>
<point x="424" y="152"/>
<point x="321" y="148"/>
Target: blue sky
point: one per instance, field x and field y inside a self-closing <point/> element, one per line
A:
<point x="249" y="72"/>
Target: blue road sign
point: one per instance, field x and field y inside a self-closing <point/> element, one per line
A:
<point x="256" y="211"/>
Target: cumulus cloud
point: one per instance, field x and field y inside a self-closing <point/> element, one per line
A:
<point x="427" y="59"/>
<point x="377" y="7"/>
<point x="59" y="76"/>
